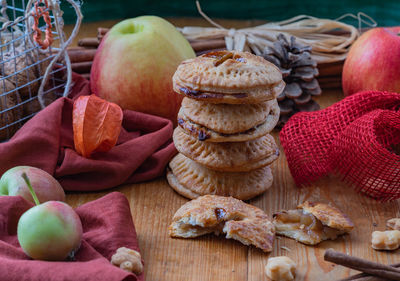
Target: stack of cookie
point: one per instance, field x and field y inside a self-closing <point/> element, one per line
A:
<point x="224" y="123"/>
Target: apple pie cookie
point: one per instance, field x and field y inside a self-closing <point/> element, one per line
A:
<point x="209" y="135"/>
<point x="192" y="180"/>
<point x="228" y="77"/>
<point x="228" y="156"/>
<point x="226" y="118"/>
<point x="217" y="214"/>
<point x="312" y="223"/>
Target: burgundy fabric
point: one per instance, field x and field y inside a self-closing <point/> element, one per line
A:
<point x="107" y="225"/>
<point x="358" y="137"/>
<point x="46" y="141"/>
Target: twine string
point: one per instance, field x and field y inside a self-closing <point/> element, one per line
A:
<point x="326" y="47"/>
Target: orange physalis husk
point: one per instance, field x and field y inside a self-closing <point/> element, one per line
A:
<point x="96" y="124"/>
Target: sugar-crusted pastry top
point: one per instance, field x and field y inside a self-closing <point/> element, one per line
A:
<point x="227" y="156"/>
<point x="218" y="214"/>
<point x="328" y="215"/>
<point x="226" y="118"/>
<point x="312" y="223"/>
<point x="206" y="134"/>
<point x="201" y="180"/>
<point x="227" y="72"/>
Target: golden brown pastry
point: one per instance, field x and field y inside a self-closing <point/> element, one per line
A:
<point x="203" y="133"/>
<point x="228" y="156"/>
<point x="228" y="77"/>
<point x="226" y="118"/>
<point x="312" y="223"/>
<point x="192" y="180"/>
<point x="227" y="215"/>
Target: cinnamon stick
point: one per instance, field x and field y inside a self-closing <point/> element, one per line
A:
<point x="373" y="268"/>
<point x="210" y="50"/>
<point x="81" y="55"/>
<point x="208" y="45"/>
<point x="102" y="31"/>
<point x="89" y="42"/>
<point x="76" y="48"/>
<point x="367" y="277"/>
<point x="331" y="69"/>
<point x="82" y="67"/>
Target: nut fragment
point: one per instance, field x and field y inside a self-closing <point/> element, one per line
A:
<point x="128" y="259"/>
<point x="281" y="268"/>
<point x="386" y="240"/>
<point x="393" y="223"/>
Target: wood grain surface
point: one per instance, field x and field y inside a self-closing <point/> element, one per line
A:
<point x="214" y="258"/>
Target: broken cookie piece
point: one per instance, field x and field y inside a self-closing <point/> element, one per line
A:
<point x="312" y="223"/>
<point x="219" y="214"/>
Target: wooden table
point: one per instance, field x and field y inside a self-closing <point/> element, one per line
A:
<point x="214" y="258"/>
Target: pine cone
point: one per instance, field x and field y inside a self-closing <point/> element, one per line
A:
<point x="299" y="71"/>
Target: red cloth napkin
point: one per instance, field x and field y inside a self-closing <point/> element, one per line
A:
<point x="356" y="137"/>
<point x="107" y="225"/>
<point x="46" y="141"/>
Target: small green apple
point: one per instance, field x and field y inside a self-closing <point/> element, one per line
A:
<point x="50" y="231"/>
<point x="135" y="62"/>
<point x="46" y="186"/>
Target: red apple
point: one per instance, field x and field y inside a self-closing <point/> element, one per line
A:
<point x="50" y="231"/>
<point x="46" y="187"/>
<point x="373" y="62"/>
<point x="134" y="65"/>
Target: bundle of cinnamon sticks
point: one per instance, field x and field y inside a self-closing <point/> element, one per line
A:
<point x="83" y="55"/>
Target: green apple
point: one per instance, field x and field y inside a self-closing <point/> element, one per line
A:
<point x="50" y="231"/>
<point x="134" y="65"/>
<point x="46" y="186"/>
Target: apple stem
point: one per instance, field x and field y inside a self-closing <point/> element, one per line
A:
<point x="28" y="183"/>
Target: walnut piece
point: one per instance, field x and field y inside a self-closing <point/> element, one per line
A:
<point x="386" y="240"/>
<point x="128" y="259"/>
<point x="281" y="268"/>
<point x="393" y="223"/>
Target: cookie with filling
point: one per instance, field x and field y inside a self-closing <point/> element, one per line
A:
<point x="226" y="118"/>
<point x="203" y="133"/>
<point x="192" y="180"/>
<point x="228" y="77"/>
<point x="224" y="215"/>
<point x="227" y="156"/>
<point x="312" y="223"/>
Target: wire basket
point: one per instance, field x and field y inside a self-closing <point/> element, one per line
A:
<point x="23" y="63"/>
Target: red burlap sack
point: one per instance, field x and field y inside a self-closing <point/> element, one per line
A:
<point x="356" y="137"/>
